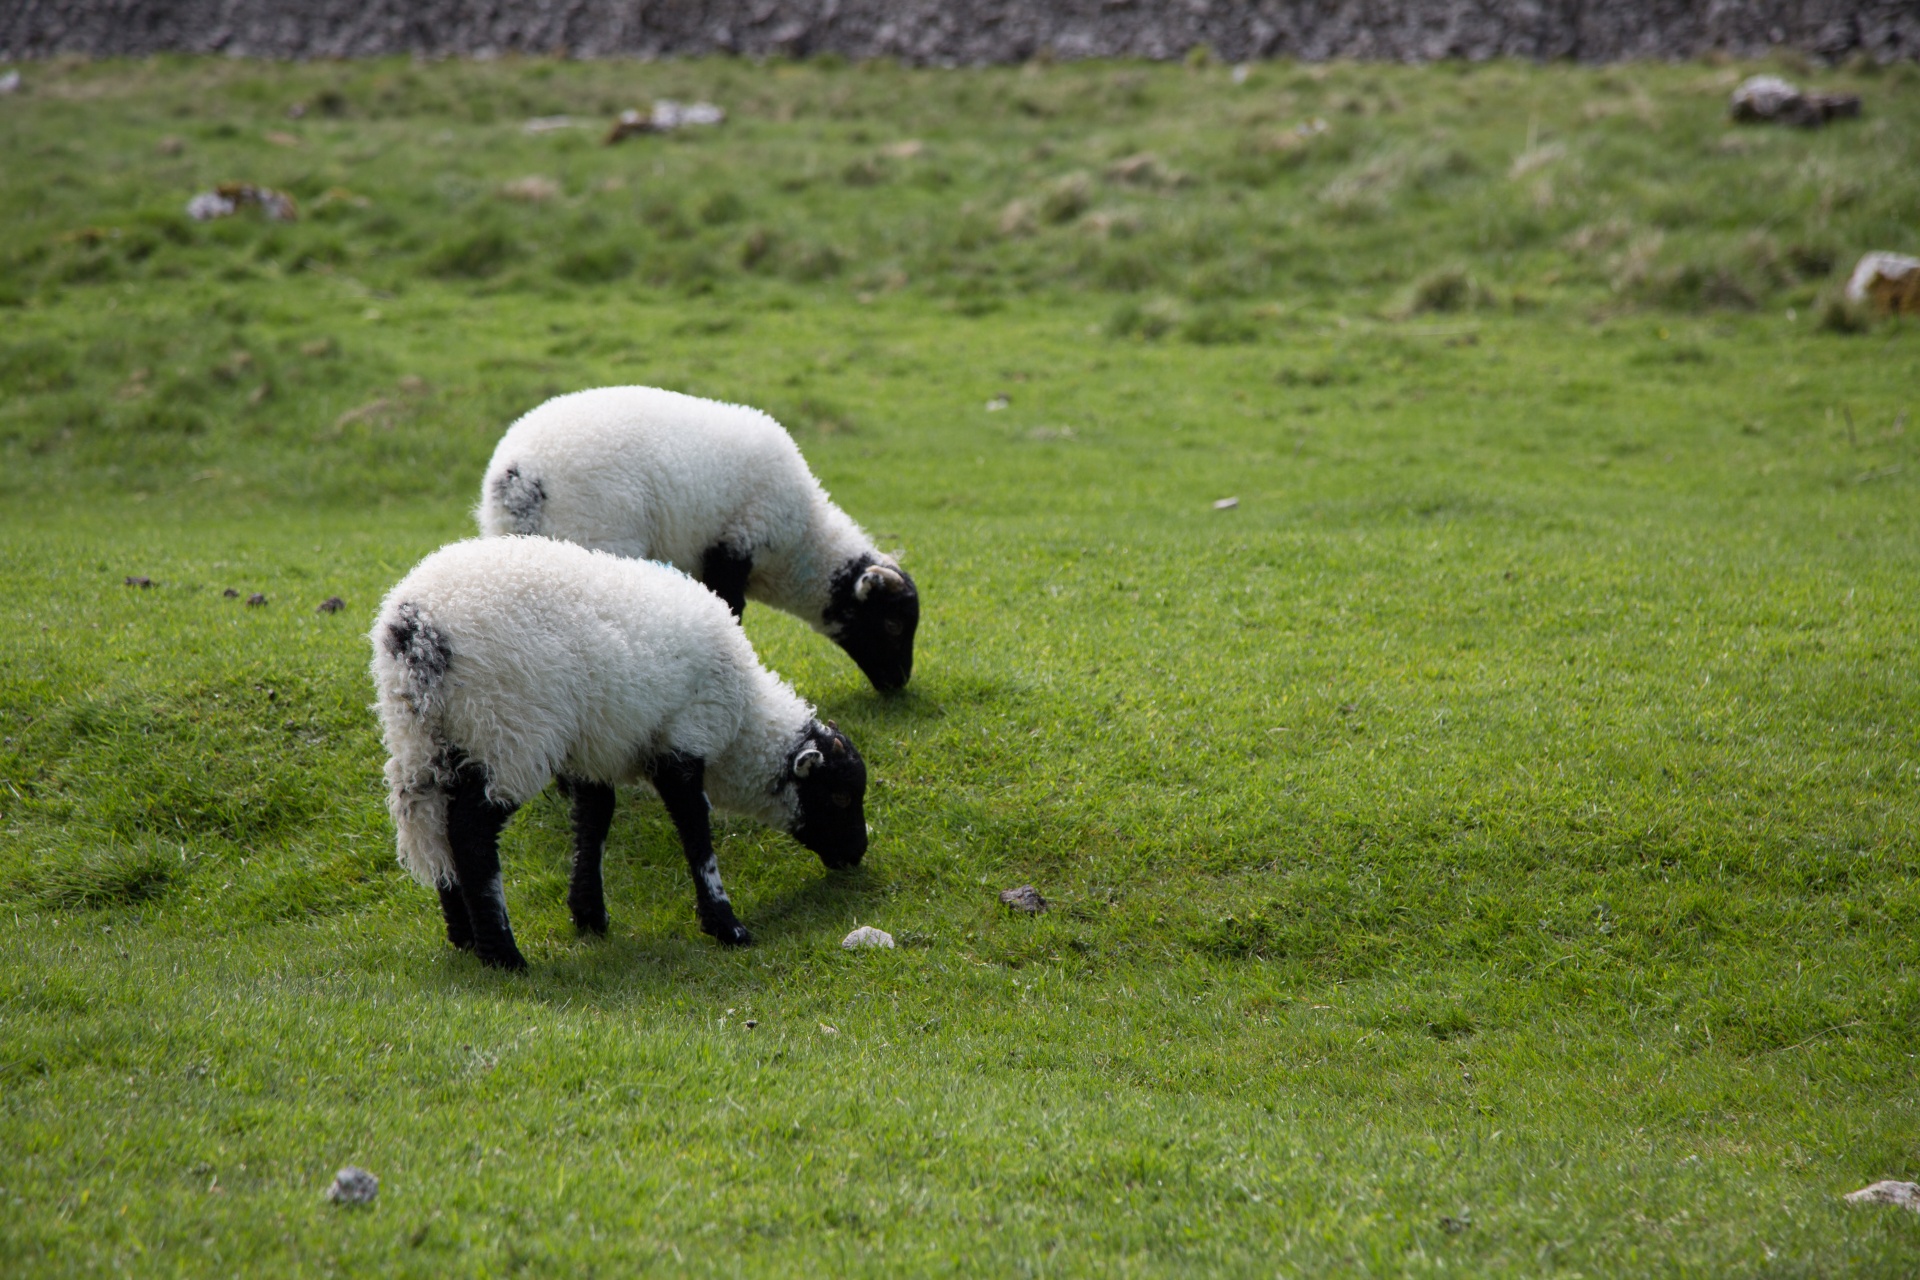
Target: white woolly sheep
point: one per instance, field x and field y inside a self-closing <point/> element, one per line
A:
<point x="718" y="490"/>
<point x="502" y="662"/>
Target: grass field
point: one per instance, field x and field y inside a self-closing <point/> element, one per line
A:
<point x="1490" y="847"/>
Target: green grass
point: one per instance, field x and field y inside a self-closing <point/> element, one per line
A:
<point x="1489" y="847"/>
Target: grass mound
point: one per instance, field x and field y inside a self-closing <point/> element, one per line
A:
<point x="1484" y="844"/>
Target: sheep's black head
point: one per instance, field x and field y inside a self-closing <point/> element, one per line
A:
<point x="829" y="780"/>
<point x="872" y="612"/>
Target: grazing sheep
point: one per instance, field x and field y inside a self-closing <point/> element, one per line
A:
<point x="718" y="490"/>
<point x="502" y="662"/>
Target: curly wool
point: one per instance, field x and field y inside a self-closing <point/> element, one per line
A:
<point x="531" y="657"/>
<point x="657" y="475"/>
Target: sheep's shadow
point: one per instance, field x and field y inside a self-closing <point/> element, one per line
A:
<point x="623" y="969"/>
<point x="921" y="703"/>
<point x="816" y="903"/>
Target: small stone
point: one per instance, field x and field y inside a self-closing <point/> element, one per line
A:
<point x="332" y="604"/>
<point x="867" y="936"/>
<point x="10" y="82"/>
<point x="1904" y="1195"/>
<point x="668" y="114"/>
<point x="998" y="403"/>
<point x="532" y="189"/>
<point x="353" y="1185"/>
<point x="256" y="599"/>
<point x="627" y="124"/>
<point x="1889" y="281"/>
<point x="1225" y="504"/>
<point x="138" y="580"/>
<point x="1771" y="100"/>
<point x="229" y="198"/>
<point x="1026" y="898"/>
<point x="230" y="594"/>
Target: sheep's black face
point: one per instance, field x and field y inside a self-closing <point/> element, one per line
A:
<point x="830" y="780"/>
<point x="872" y="612"/>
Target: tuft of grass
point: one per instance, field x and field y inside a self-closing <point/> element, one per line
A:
<point x="1444" y="292"/>
<point x="595" y="264"/>
<point x="475" y="255"/>
<point x="1840" y="314"/>
<point x="98" y="877"/>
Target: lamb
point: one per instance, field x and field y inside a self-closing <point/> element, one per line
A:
<point x="717" y="490"/>
<point x="502" y="662"/>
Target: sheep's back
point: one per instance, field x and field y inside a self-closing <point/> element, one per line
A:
<point x="563" y="659"/>
<point x="650" y="474"/>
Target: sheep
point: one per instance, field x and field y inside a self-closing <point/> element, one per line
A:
<point x="718" y="490"/>
<point x="502" y="662"/>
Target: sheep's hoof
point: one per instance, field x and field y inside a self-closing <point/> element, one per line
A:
<point x="510" y="960"/>
<point x="595" y="925"/>
<point x="729" y="933"/>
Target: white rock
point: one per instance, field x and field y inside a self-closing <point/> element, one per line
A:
<point x="1763" y="97"/>
<point x="668" y="114"/>
<point x="1904" y="1194"/>
<point x="867" y="936"/>
<point x="353" y="1185"/>
<point x="1894" y="268"/>
<point x="209" y="205"/>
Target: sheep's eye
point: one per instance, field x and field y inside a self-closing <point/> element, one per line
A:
<point x="841" y="799"/>
<point x="892" y="626"/>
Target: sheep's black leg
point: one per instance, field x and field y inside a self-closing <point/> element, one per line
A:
<point x="725" y="572"/>
<point x="592" y="816"/>
<point x="459" y="924"/>
<point x="681" y="782"/>
<point x="473" y="831"/>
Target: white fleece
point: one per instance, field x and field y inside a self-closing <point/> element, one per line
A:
<point x="658" y="475"/>
<point x="565" y="660"/>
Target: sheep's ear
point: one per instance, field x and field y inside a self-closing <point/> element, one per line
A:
<point x="878" y="577"/>
<point x="803" y="764"/>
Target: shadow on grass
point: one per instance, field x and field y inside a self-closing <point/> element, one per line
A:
<point x="614" y="970"/>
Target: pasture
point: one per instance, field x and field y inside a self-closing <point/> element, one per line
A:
<point x="1489" y="846"/>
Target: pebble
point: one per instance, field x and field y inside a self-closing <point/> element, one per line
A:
<point x="1906" y="1195"/>
<point x="1026" y="898"/>
<point x="353" y="1185"/>
<point x="867" y="936"/>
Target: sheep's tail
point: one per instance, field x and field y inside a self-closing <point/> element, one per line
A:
<point x="409" y="661"/>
